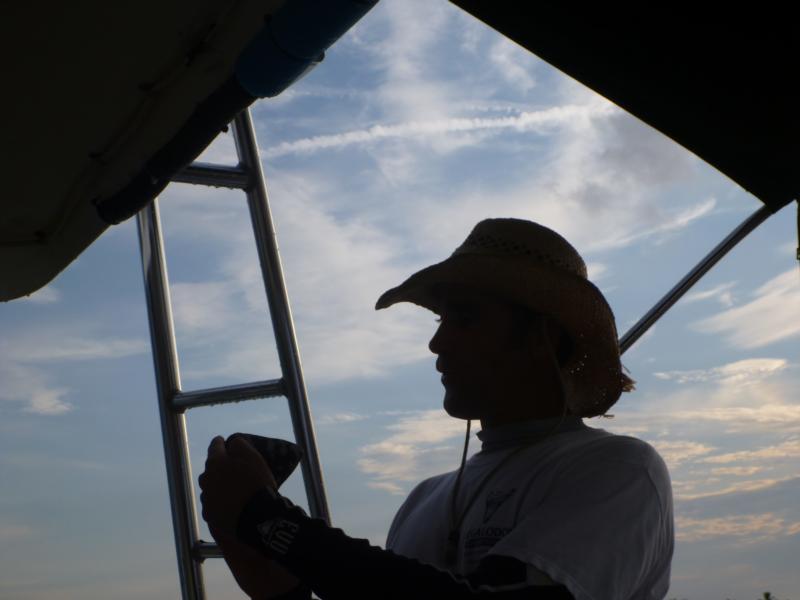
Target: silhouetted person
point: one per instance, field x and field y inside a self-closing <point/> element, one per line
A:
<point x="548" y="508"/>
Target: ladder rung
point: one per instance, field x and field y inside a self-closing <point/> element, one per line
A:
<point x="203" y="550"/>
<point x="215" y="175"/>
<point x="227" y="394"/>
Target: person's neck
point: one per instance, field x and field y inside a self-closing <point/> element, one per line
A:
<point x="495" y="421"/>
<point x="516" y="405"/>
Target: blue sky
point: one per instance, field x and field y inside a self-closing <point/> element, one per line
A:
<point x="420" y="122"/>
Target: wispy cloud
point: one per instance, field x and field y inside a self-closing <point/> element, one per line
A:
<point x="739" y="487"/>
<point x="345" y="417"/>
<point x="783" y="416"/>
<point x="747" y="371"/>
<point x="784" y="450"/>
<point x="677" y="452"/>
<point x="417" y="447"/>
<point x="747" y="528"/>
<point x="721" y="293"/>
<point x="335" y="270"/>
<point x="41" y="348"/>
<point x="25" y="358"/>
<point x="427" y="130"/>
<point x="737" y="471"/>
<point x="32" y="387"/>
<point x="511" y="62"/>
<point x="48" y="402"/>
<point x="770" y="317"/>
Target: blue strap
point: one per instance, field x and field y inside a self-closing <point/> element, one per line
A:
<point x="293" y="41"/>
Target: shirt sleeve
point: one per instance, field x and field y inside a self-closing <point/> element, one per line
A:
<point x="337" y="567"/>
<point x="604" y="528"/>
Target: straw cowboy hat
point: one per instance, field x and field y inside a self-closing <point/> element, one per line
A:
<point x="535" y="267"/>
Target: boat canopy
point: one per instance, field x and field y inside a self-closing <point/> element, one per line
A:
<point x="722" y="83"/>
<point x="108" y="101"/>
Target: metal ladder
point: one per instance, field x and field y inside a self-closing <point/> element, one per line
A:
<point x="173" y="401"/>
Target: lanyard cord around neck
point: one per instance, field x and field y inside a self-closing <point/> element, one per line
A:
<point x="457" y="521"/>
<point x="451" y="551"/>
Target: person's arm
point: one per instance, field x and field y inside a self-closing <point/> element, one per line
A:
<point x="337" y="567"/>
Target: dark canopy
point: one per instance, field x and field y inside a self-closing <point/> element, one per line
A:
<point x="724" y="85"/>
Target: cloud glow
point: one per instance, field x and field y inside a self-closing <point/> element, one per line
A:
<point x="741" y="372"/>
<point x="418" y="446"/>
<point x="748" y="529"/>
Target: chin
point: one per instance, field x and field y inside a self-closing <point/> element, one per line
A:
<point x="459" y="409"/>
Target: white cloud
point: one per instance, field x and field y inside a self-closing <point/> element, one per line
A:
<point x="48" y="402"/>
<point x="31" y="387"/>
<point x="511" y="62"/>
<point x="746" y="528"/>
<point x="402" y="52"/>
<point x="416" y="449"/>
<point x="427" y="131"/>
<point x="346" y="417"/>
<point x="781" y="416"/>
<point x="742" y="372"/>
<point x="26" y="356"/>
<point x="749" y="485"/>
<point x="785" y="450"/>
<point x="345" y="238"/>
<point x="677" y="452"/>
<point x="770" y="317"/>
<point x="737" y="471"/>
<point x="205" y="306"/>
<point x="335" y="269"/>
<point x="721" y="293"/>
<point x="41" y="348"/>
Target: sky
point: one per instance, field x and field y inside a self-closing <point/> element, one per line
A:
<point x="419" y="122"/>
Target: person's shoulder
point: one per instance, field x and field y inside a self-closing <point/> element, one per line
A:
<point x="430" y="484"/>
<point x="605" y="446"/>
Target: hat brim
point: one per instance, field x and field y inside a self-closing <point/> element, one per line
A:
<point x="595" y="370"/>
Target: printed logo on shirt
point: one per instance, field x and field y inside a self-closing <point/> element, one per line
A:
<point x="485" y="537"/>
<point x="494" y="500"/>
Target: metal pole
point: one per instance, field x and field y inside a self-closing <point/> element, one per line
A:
<point x="213" y="175"/>
<point x="685" y="284"/>
<point x="230" y="393"/>
<point x="282" y="322"/>
<point x="173" y="425"/>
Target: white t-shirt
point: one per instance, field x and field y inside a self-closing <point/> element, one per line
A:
<point x="591" y="509"/>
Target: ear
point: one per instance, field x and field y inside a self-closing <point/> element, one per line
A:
<point x="559" y="340"/>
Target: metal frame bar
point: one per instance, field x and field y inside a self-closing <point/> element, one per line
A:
<point x="173" y="425"/>
<point x="213" y="175"/>
<point x="685" y="284"/>
<point x="282" y="323"/>
<point x="227" y="394"/>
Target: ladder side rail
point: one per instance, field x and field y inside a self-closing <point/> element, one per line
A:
<point x="173" y="423"/>
<point x="692" y="277"/>
<point x="280" y="311"/>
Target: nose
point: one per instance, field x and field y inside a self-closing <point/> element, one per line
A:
<point x="436" y="344"/>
